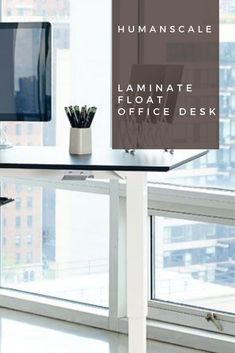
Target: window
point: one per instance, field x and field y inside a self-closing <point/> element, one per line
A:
<point x="29" y="221"/>
<point x="17" y="221"/>
<point x="29" y="239"/>
<point x="193" y="259"/>
<point x="222" y="159"/>
<point x="198" y="270"/>
<point x="30" y="129"/>
<point x="29" y="202"/>
<point x="18" y="203"/>
<point x="28" y="276"/>
<point x="17" y="258"/>
<point x="18" y="129"/>
<point x="29" y="258"/>
<point x="70" y="258"/>
<point x="17" y="240"/>
<point x="188" y="229"/>
<point x="43" y="202"/>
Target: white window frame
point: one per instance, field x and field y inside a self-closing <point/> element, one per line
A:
<point x="165" y="321"/>
<point x="202" y="205"/>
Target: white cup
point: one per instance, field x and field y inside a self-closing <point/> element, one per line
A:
<point x="80" y="141"/>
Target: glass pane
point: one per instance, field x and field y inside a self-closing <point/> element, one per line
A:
<point x="195" y="263"/>
<point x="227" y="9"/>
<point x="35" y="237"/>
<point x="217" y="169"/>
<point x="59" y="247"/>
<point x="80" y="76"/>
<point x="57" y="12"/>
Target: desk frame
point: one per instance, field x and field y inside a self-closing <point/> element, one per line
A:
<point x="136" y="230"/>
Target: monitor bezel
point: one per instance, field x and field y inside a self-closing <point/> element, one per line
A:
<point x="18" y="117"/>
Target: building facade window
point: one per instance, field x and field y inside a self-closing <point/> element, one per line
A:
<point x="29" y="257"/>
<point x="18" y="129"/>
<point x="17" y="240"/>
<point x="29" y="239"/>
<point x="29" y="202"/>
<point x="29" y="221"/>
<point x="18" y="203"/>
<point x="17" y="258"/>
<point x="17" y="221"/>
<point x="30" y="129"/>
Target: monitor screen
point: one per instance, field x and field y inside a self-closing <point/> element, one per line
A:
<point x="25" y="71"/>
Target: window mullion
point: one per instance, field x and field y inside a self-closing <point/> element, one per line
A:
<point x="117" y="256"/>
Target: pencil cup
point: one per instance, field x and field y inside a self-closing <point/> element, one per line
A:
<point x="80" y="141"/>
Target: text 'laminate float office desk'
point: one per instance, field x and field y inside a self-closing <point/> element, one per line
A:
<point x="37" y="161"/>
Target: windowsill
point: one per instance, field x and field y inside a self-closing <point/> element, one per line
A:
<point x="99" y="317"/>
<point x="185" y="336"/>
<point x="190" y="337"/>
<point x="54" y="308"/>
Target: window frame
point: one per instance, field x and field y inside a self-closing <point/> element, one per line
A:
<point x="182" y="314"/>
<point x="185" y="205"/>
<point x="160" y="314"/>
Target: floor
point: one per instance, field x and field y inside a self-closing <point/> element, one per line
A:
<point x="27" y="333"/>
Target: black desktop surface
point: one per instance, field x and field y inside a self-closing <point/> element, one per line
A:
<point x="101" y="159"/>
<point x="5" y="200"/>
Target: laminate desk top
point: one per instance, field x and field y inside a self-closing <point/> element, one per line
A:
<point x="33" y="157"/>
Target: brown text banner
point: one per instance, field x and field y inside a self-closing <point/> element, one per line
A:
<point x="165" y="74"/>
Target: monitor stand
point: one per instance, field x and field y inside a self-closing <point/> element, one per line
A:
<point x="4" y="143"/>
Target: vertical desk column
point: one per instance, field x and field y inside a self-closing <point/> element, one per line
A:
<point x="137" y="260"/>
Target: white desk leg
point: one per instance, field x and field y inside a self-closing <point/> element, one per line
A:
<point x="137" y="260"/>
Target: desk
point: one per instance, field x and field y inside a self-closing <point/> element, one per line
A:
<point x="19" y="160"/>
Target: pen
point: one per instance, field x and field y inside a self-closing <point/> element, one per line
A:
<point x="71" y="110"/>
<point x="80" y="118"/>
<point x="77" y="114"/>
<point x="91" y="116"/>
<point x="69" y="116"/>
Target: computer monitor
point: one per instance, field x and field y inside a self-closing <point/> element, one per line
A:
<point x="25" y="72"/>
